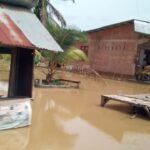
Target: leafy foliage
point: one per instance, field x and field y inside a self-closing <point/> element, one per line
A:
<point x="66" y="37"/>
<point x="74" y="54"/>
<point x="6" y="57"/>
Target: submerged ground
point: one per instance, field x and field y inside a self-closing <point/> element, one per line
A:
<point x="71" y="119"/>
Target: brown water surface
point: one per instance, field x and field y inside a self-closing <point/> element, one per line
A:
<point x="71" y="119"/>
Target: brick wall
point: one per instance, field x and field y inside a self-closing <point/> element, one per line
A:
<point x="82" y="46"/>
<point x="113" y="50"/>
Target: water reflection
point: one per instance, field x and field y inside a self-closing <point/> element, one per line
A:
<point x="132" y="139"/>
<point x="88" y="137"/>
<point x="14" y="139"/>
<point x="71" y="119"/>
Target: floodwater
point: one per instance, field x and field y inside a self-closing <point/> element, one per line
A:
<point x="72" y="119"/>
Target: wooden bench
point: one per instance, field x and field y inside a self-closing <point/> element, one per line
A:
<point x="134" y="100"/>
<point x="71" y="81"/>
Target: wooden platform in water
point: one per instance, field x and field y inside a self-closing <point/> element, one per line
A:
<point x="142" y="100"/>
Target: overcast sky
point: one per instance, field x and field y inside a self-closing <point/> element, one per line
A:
<point x="91" y="14"/>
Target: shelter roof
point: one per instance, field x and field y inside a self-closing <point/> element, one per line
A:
<point x="21" y="28"/>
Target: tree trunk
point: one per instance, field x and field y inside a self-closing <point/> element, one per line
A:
<point x="43" y="12"/>
<point x="48" y="78"/>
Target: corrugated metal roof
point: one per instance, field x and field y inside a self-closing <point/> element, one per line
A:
<point x="22" y="28"/>
<point x="110" y="26"/>
<point x="10" y="34"/>
<point x="140" y="26"/>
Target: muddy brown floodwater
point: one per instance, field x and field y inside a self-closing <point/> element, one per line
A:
<point x="71" y="119"/>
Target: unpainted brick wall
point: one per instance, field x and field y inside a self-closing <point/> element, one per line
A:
<point x="114" y="49"/>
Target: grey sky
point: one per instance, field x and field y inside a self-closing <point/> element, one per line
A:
<point x="90" y="14"/>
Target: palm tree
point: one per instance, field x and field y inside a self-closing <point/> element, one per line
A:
<point x="66" y="39"/>
<point x="44" y="10"/>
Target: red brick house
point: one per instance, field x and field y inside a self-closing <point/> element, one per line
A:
<point x="120" y="48"/>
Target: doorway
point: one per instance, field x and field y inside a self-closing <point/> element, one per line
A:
<point x="143" y="66"/>
<point x="144" y="58"/>
<point x="147" y="57"/>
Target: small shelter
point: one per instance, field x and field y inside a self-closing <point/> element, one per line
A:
<point x="20" y="34"/>
<point x="120" y="48"/>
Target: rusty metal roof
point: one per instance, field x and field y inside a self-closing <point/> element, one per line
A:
<point x="10" y="34"/>
<point x="21" y="28"/>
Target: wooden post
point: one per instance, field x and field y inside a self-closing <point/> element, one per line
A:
<point x="13" y="73"/>
<point x="104" y="100"/>
<point x="147" y="111"/>
<point x="21" y="73"/>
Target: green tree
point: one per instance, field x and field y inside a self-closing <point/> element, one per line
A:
<point x="66" y="38"/>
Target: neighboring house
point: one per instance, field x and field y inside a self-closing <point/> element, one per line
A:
<point x="120" y="48"/>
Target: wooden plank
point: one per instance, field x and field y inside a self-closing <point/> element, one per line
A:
<point x="133" y="100"/>
<point x="145" y="97"/>
<point x="129" y="100"/>
<point x="72" y="81"/>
